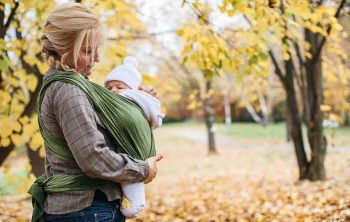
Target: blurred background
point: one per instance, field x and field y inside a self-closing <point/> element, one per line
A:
<point x="256" y="95"/>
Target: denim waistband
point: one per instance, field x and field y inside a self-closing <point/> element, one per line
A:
<point x="99" y="195"/>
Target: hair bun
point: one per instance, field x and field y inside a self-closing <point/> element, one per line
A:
<point x="131" y="61"/>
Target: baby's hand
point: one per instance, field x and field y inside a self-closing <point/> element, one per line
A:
<point x="150" y="90"/>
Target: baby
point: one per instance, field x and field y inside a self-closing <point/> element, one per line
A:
<point x="125" y="80"/>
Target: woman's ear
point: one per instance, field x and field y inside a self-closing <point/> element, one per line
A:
<point x="59" y="52"/>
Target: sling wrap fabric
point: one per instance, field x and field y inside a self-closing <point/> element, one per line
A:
<point x="122" y="118"/>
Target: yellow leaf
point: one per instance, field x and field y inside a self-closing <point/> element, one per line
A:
<point x="16" y="127"/>
<point x="28" y="129"/>
<point x="20" y="73"/>
<point x="6" y="128"/>
<point x="125" y="203"/>
<point x="148" y="80"/>
<point x="180" y="32"/>
<point x="187" y="48"/>
<point x="286" y="56"/>
<point x="36" y="141"/>
<point x="42" y="151"/>
<point x="30" y="60"/>
<point x="43" y="66"/>
<point x="308" y="55"/>
<point x="325" y="108"/>
<point x="196" y="5"/>
<point x="14" y="153"/>
<point x="16" y="139"/>
<point x="5" y="97"/>
<point x="21" y="97"/>
<point x="32" y="82"/>
<point x="5" y="142"/>
<point x="28" y="167"/>
<point x="11" y="180"/>
<point x="24" y="120"/>
<point x="222" y="9"/>
<point x="232" y="12"/>
<point x="12" y="81"/>
<point x="192" y="105"/>
<point x="192" y="96"/>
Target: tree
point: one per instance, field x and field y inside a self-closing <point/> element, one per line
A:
<point x="22" y="67"/>
<point x="317" y="27"/>
<point x="21" y="80"/>
<point x="259" y="95"/>
<point x="294" y="31"/>
<point x="214" y="52"/>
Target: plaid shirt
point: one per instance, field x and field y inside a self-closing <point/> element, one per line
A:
<point x="68" y="113"/>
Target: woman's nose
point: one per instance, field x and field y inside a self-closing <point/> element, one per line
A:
<point x="97" y="57"/>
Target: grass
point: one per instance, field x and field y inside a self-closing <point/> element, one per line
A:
<point x="10" y="182"/>
<point x="257" y="131"/>
<point x="253" y="130"/>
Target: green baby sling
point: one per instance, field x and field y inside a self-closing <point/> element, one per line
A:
<point x="122" y="118"/>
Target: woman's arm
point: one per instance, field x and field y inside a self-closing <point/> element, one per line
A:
<point x="75" y="115"/>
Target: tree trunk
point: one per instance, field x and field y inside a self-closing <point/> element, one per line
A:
<point x="227" y="107"/>
<point x="209" y="118"/>
<point x="288" y="127"/>
<point x="36" y="161"/>
<point x="5" y="152"/>
<point x="294" y="120"/>
<point x="312" y="103"/>
<point x="264" y="110"/>
<point x="29" y="109"/>
<point x="312" y="90"/>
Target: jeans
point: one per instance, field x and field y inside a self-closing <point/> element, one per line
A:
<point x="99" y="211"/>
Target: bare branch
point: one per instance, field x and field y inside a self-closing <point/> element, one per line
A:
<point x="248" y="20"/>
<point x="277" y="67"/>
<point x="2" y="18"/>
<point x="250" y="107"/>
<point x="146" y="36"/>
<point x="323" y="40"/>
<point x="11" y="16"/>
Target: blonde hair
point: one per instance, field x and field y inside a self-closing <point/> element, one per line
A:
<point x="65" y="30"/>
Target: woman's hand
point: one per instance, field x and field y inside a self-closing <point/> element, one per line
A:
<point x="149" y="89"/>
<point x="153" y="170"/>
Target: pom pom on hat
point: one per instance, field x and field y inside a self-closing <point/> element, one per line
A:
<point x="126" y="73"/>
<point x="130" y="61"/>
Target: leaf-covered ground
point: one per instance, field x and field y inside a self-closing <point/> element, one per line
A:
<point x="249" y="180"/>
<point x="226" y="199"/>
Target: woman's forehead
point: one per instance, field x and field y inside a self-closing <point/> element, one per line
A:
<point x="92" y="43"/>
<point x="88" y="46"/>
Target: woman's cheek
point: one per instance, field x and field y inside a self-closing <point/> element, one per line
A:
<point x="82" y="62"/>
<point x="88" y="60"/>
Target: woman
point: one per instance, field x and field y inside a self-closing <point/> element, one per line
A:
<point x="70" y="42"/>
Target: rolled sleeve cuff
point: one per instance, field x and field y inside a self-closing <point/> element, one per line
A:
<point x="145" y="167"/>
<point x="138" y="171"/>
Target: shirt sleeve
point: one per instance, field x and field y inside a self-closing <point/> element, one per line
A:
<point x="75" y="116"/>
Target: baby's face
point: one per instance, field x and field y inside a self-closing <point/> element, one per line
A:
<point x="116" y="86"/>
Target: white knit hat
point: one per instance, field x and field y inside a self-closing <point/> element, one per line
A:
<point x="126" y="73"/>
